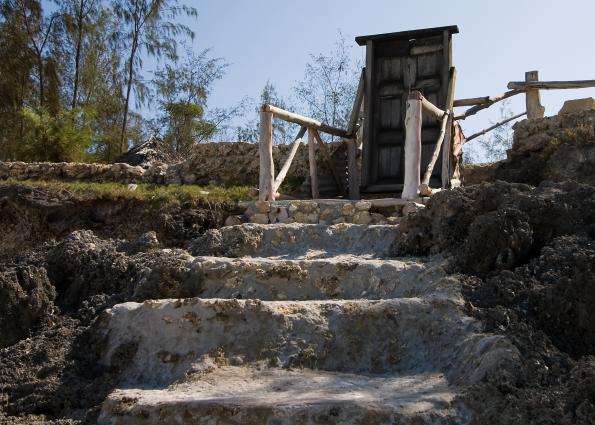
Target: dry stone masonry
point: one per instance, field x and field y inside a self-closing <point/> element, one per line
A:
<point x="329" y="211"/>
<point x="210" y="163"/>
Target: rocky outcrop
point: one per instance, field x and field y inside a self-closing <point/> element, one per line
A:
<point x="29" y="216"/>
<point x="27" y="302"/>
<point x="497" y="225"/>
<point x="149" y="154"/>
<point x="83" y="266"/>
<point x="559" y="148"/>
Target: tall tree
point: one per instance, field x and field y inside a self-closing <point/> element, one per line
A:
<point x="38" y="30"/>
<point x="77" y="17"/>
<point x="148" y="26"/>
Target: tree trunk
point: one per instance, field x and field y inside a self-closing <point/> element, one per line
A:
<point x="41" y="82"/>
<point x="123" y="141"/>
<point x="77" y="59"/>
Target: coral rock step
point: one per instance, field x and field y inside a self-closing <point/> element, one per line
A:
<point x="344" y="277"/>
<point x="296" y="240"/>
<point x="158" y="342"/>
<point x="249" y="396"/>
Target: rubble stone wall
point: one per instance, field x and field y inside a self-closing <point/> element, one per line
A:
<point x="224" y="163"/>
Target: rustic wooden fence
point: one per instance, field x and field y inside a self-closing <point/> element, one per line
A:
<point x="414" y="184"/>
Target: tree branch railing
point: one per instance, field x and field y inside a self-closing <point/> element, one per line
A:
<point x="414" y="184"/>
<point x="530" y="87"/>
<point x="268" y="184"/>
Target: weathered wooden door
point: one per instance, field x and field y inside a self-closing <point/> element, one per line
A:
<point x="396" y="64"/>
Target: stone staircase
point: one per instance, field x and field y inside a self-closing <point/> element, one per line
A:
<point x="300" y="324"/>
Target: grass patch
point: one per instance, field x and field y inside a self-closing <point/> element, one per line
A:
<point x="159" y="194"/>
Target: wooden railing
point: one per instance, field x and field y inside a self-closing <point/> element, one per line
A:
<point x="268" y="184"/>
<point x="414" y="185"/>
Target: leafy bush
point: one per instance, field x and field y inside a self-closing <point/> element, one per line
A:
<point x="64" y="137"/>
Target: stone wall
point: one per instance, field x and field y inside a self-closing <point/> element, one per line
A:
<point x="328" y="211"/>
<point x="210" y="163"/>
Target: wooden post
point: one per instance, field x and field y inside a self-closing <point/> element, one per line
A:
<point x="266" y="185"/>
<point x="534" y="108"/>
<point x="412" y="146"/>
<point x="352" y="174"/>
<point x="312" y="159"/>
<point x="368" y="133"/>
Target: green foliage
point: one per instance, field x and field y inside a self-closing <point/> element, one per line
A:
<point x="158" y="194"/>
<point x="182" y="90"/>
<point x="147" y="26"/>
<point x="64" y="137"/>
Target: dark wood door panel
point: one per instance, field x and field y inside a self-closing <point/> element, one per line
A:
<point x="394" y="68"/>
<point x="389" y="163"/>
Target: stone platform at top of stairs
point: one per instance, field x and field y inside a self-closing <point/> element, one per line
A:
<point x="328" y="211"/>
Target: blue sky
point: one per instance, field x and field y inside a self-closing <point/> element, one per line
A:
<point x="499" y="40"/>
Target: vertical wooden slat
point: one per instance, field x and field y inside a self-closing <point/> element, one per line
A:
<point x="534" y="108"/>
<point x="368" y="134"/>
<point x="312" y="160"/>
<point x="352" y="172"/>
<point x="266" y="186"/>
<point x="446" y="64"/>
<point x="355" y="112"/>
<point x="413" y="122"/>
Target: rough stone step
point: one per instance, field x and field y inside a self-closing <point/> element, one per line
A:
<point x="158" y="342"/>
<point x="342" y="277"/>
<point x="296" y="241"/>
<point x="266" y="396"/>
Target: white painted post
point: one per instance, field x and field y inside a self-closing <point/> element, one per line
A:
<point x="266" y="185"/>
<point x="412" y="146"/>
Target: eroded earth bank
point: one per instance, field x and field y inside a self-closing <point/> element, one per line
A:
<point x="477" y="309"/>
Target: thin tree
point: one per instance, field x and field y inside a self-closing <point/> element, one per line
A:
<point x="148" y="26"/>
<point x="75" y="15"/>
<point x="329" y="85"/>
<point x="38" y="32"/>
